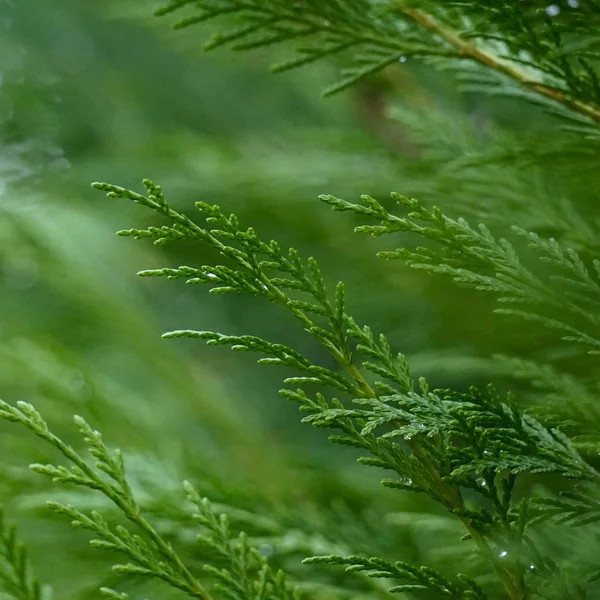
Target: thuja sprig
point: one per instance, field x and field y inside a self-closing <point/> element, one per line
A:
<point x="247" y="576"/>
<point x="325" y="28"/>
<point x="436" y="442"/>
<point x="421" y="580"/>
<point x="263" y="269"/>
<point x="17" y="578"/>
<point x="566" y="300"/>
<point x="473" y="256"/>
<point x="149" y="554"/>
<point x="576" y="508"/>
<point x="562" y="400"/>
<point x="373" y="35"/>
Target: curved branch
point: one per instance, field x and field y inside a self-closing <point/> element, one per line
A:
<point x="484" y="57"/>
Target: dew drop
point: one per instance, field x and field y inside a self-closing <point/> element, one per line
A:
<point x="573" y="3"/>
<point x="482" y="482"/>
<point x="503" y="553"/>
<point x="552" y="10"/>
<point x="403" y="59"/>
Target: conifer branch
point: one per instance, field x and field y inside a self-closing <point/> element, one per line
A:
<point x="379" y="34"/>
<point x="474" y="451"/>
<point x="576" y="508"/>
<point x="417" y="580"/>
<point x="438" y="443"/>
<point x="472" y="256"/>
<point x="488" y="59"/>
<point x="152" y="558"/>
<point x="565" y="401"/>
<point x="17" y="578"/>
<point x="247" y="577"/>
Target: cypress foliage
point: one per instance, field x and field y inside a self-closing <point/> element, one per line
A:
<point x="513" y="474"/>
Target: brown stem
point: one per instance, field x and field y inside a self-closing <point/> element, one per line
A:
<point x="484" y="57"/>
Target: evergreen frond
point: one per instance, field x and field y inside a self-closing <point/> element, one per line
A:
<point x="17" y="579"/>
<point x="474" y="257"/>
<point x="151" y="555"/>
<point x="502" y="48"/>
<point x="490" y="490"/>
<point x="575" y="508"/>
<point x="249" y="577"/>
<point x="564" y="401"/>
<point x="438" y="443"/>
<point x="418" y="580"/>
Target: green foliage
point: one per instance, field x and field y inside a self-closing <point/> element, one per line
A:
<point x="353" y="26"/>
<point x="418" y="580"/>
<point x="562" y="400"/>
<point x="238" y="580"/>
<point x="515" y="473"/>
<point x="474" y="257"/>
<point x="516" y="49"/>
<point x="437" y="443"/>
<point x="576" y="508"/>
<point x="149" y="554"/>
<point x="152" y="558"/>
<point x="17" y="579"/>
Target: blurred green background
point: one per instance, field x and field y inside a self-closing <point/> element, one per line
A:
<point x="101" y="91"/>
